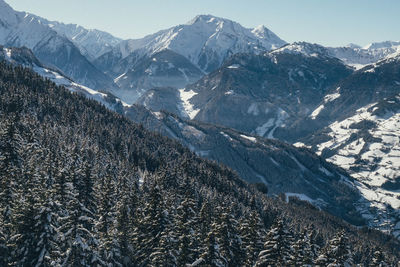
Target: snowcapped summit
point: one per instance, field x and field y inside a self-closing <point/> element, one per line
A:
<point x="351" y="45"/>
<point x="202" y="18"/>
<point x="18" y="29"/>
<point x="91" y="42"/>
<point x="382" y="45"/>
<point x="262" y="32"/>
<point x="359" y="57"/>
<point x="205" y="40"/>
<point x="303" y="48"/>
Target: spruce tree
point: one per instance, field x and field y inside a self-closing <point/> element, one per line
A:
<point x="211" y="256"/>
<point x="9" y="170"/>
<point x="303" y="254"/>
<point x="337" y="252"/>
<point x="253" y="234"/>
<point x="278" y="250"/>
<point x="151" y="223"/>
<point x="80" y="246"/>
<point x="126" y="206"/>
<point x="229" y="238"/>
<point x="186" y="221"/>
<point x="110" y="250"/>
<point x="165" y="254"/>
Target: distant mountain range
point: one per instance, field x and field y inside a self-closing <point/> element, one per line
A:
<point x="129" y="68"/>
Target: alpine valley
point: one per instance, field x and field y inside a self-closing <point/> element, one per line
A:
<point x="205" y="144"/>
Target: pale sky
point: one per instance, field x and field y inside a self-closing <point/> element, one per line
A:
<point x="327" y="22"/>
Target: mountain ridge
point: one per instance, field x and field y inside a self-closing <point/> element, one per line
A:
<point x="24" y="29"/>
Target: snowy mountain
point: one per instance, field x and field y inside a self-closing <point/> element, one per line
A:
<point x="303" y="48"/>
<point x="359" y="57"/>
<point x="165" y="68"/>
<point x="282" y="167"/>
<point x="91" y="42"/>
<point x="73" y="172"/>
<point x="19" y="29"/>
<point x="272" y="162"/>
<point x="256" y="160"/>
<point x="367" y="145"/>
<point x="357" y="128"/>
<point x="352" y="55"/>
<point x="256" y="94"/>
<point x="205" y="40"/>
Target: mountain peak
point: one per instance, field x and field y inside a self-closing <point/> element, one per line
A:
<point x="303" y="48"/>
<point x="205" y="18"/>
<point x="353" y="46"/>
<point x="260" y="28"/>
<point x="380" y="45"/>
<point x="206" y="41"/>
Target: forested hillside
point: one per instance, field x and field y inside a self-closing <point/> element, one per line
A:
<point x="83" y="186"/>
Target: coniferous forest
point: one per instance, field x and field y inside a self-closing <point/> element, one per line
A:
<point x="83" y="186"/>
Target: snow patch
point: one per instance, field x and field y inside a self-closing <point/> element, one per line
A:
<point x="250" y="138"/>
<point x="331" y="97"/>
<point x="234" y="66"/>
<point x="188" y="108"/>
<point x="226" y="136"/>
<point x="316" y="112"/>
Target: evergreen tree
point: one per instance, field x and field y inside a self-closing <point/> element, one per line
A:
<point x="80" y="244"/>
<point x="126" y="207"/>
<point x="337" y="252"/>
<point x="9" y="169"/>
<point x="303" y="254"/>
<point x="186" y="220"/>
<point x="165" y="254"/>
<point x="252" y="233"/>
<point x="229" y="238"/>
<point x="34" y="242"/>
<point x="151" y="224"/>
<point x="278" y="250"/>
<point x="110" y="250"/>
<point x="211" y="256"/>
<point x="205" y="220"/>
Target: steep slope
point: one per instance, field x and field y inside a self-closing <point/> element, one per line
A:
<point x="260" y="93"/>
<point x="367" y="146"/>
<point x="91" y="42"/>
<point x="106" y="175"/>
<point x="358" y="130"/>
<point x="205" y="40"/>
<point x="282" y="167"/>
<point x="24" y="29"/>
<point x="165" y="68"/>
<point x="25" y="57"/>
<point x="364" y="87"/>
